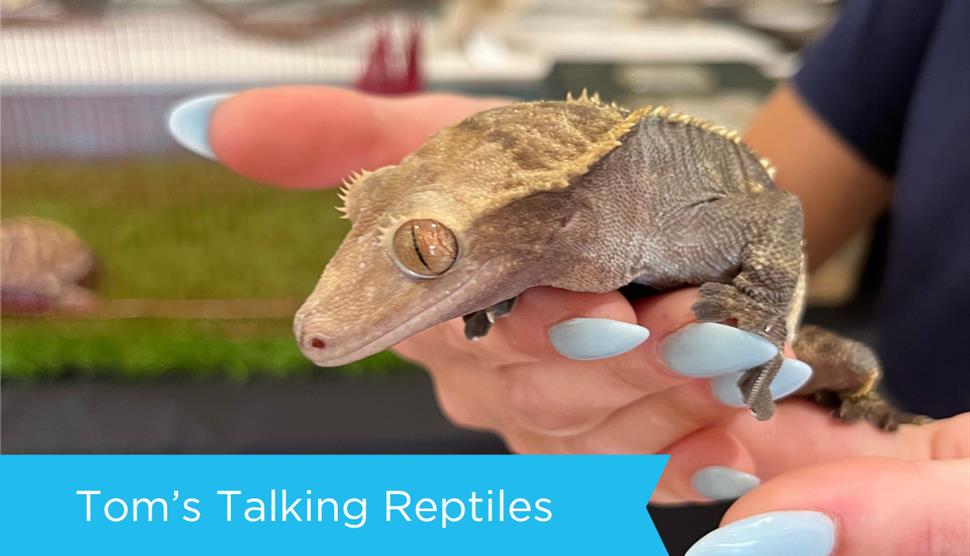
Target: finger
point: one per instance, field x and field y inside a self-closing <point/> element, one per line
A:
<point x="551" y="393"/>
<point x="821" y="437"/>
<point x="519" y="349"/>
<point x="469" y="391"/>
<point x="521" y="441"/>
<point x="724" y="461"/>
<point x="573" y="397"/>
<point x="561" y="399"/>
<point x="654" y="422"/>
<point x="708" y="465"/>
<point x="855" y="507"/>
<point x="686" y="348"/>
<point x="524" y="335"/>
<point x="470" y="401"/>
<point x="308" y="137"/>
<point x="495" y="363"/>
<point x="543" y="390"/>
<point x="587" y="342"/>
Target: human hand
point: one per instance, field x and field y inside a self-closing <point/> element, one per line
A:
<point x="629" y="395"/>
<point x="856" y="507"/>
<point x="313" y="137"/>
<point x="514" y="381"/>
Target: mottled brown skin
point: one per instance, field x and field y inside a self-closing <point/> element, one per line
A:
<point x="582" y="196"/>
<point x="845" y="378"/>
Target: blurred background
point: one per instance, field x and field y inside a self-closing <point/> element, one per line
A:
<point x="148" y="293"/>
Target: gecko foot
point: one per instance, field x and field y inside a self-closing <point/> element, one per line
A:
<point x="725" y="302"/>
<point x="478" y="324"/>
<point x="845" y="377"/>
<point x="870" y="407"/>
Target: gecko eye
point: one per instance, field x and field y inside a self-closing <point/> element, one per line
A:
<point x="425" y="248"/>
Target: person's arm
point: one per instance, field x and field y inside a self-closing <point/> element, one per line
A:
<point x="835" y="130"/>
<point x="840" y="191"/>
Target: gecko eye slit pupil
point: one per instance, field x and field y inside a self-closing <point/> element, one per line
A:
<point x="425" y="248"/>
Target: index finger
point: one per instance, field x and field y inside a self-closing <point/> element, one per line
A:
<point x="308" y="137"/>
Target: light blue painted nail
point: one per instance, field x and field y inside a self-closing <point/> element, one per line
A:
<point x="792" y="375"/>
<point x="587" y="338"/>
<point x="708" y="349"/>
<point x="796" y="533"/>
<point x="188" y="122"/>
<point x="723" y="483"/>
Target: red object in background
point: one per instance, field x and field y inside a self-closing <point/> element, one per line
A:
<point x="381" y="77"/>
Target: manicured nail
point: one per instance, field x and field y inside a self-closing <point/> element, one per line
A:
<point x="708" y="349"/>
<point x="792" y="375"/>
<point x="797" y="533"/>
<point x="587" y="338"/>
<point x="188" y="122"/>
<point x="723" y="483"/>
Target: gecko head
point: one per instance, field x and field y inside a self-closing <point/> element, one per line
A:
<point x="423" y="259"/>
<point x="463" y="223"/>
<point x="385" y="284"/>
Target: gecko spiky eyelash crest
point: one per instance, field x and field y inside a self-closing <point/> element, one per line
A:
<point x="346" y="192"/>
<point x="586" y="98"/>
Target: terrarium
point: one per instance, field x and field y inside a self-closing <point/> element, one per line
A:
<point x="122" y="254"/>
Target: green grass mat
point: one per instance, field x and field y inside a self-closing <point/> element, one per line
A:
<point x="183" y="229"/>
<point x="178" y="229"/>
<point x="33" y="349"/>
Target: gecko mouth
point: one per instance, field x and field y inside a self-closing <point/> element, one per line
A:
<point x="331" y="351"/>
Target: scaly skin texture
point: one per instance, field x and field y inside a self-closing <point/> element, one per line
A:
<point x="582" y="196"/>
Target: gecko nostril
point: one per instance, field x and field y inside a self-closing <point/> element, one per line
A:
<point x="317" y="343"/>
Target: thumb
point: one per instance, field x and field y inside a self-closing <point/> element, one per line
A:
<point x="852" y="507"/>
<point x="308" y="137"/>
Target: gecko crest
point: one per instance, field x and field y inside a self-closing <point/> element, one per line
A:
<point x="346" y="189"/>
<point x="702" y="124"/>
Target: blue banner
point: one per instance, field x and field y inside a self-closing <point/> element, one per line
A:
<point x="327" y="504"/>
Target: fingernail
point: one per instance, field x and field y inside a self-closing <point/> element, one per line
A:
<point x="706" y="349"/>
<point x="587" y="338"/>
<point x="792" y="375"/>
<point x="723" y="483"/>
<point x="188" y="122"/>
<point x="796" y="533"/>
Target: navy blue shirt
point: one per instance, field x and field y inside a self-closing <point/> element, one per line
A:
<point x="892" y="78"/>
